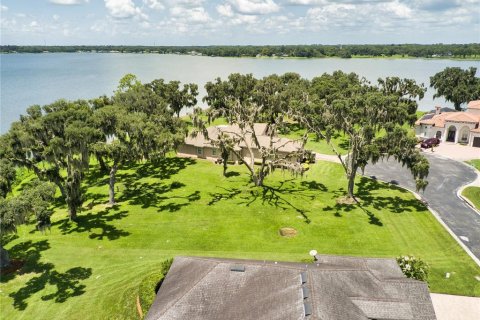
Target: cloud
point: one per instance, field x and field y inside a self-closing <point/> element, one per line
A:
<point x="254" y="7"/>
<point x="190" y="15"/>
<point x="154" y="4"/>
<point x="307" y="2"/>
<point x="56" y="17"/>
<point x="3" y="8"/>
<point x="123" y="9"/>
<point x="225" y="10"/>
<point x="68" y="2"/>
<point x="186" y="3"/>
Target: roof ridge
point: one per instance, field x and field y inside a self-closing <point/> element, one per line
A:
<point x="189" y="290"/>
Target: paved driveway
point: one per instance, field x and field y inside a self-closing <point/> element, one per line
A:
<point x="445" y="178"/>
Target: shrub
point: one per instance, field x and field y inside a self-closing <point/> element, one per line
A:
<point x="413" y="267"/>
<point x="149" y="286"/>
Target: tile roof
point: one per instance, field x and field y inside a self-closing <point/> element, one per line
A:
<point x="440" y="119"/>
<point x="337" y="288"/>
<point x="462" y="117"/>
<point x="435" y="120"/>
<point x="474" y="104"/>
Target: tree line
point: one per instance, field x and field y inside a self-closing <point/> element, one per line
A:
<point x="471" y="50"/>
<point x="141" y="122"/>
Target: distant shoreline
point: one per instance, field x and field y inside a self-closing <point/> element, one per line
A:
<point x="365" y="51"/>
<point x="471" y="58"/>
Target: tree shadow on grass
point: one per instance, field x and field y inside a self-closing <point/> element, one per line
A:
<point x="230" y="174"/>
<point x="394" y="204"/>
<point x="29" y="253"/>
<point x="274" y="196"/>
<point x="96" y="224"/>
<point x="155" y="194"/>
<point x="341" y="207"/>
<point x="161" y="169"/>
<point x="67" y="283"/>
<point x="367" y="200"/>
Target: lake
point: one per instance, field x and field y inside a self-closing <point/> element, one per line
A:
<point x="28" y="79"/>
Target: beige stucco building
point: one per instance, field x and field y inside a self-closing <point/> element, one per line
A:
<point x="456" y="127"/>
<point x="201" y="147"/>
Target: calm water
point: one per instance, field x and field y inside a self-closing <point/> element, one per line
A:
<point x="28" y="79"/>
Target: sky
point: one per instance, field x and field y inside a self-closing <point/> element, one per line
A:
<point x="238" y="22"/>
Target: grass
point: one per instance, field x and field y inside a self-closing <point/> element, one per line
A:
<point x="473" y="193"/>
<point x="94" y="268"/>
<point x="475" y="163"/>
<point x="340" y="141"/>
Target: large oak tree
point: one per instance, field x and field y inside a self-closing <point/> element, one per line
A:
<point x="136" y="124"/>
<point x="33" y="201"/>
<point x="244" y="101"/>
<point x="55" y="142"/>
<point x="372" y="117"/>
<point x="456" y="85"/>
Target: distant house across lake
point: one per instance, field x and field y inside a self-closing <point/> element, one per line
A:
<point x="452" y="126"/>
<point x="201" y="147"/>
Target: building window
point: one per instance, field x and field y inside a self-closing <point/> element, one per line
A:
<point x="199" y="151"/>
<point x="464" y="136"/>
<point x="214" y="152"/>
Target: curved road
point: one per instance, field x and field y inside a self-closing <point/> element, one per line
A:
<point x="445" y="178"/>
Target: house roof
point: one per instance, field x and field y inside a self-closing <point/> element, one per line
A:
<point x="442" y="110"/>
<point x="438" y="120"/>
<point x="282" y="144"/>
<point x="462" y="117"/>
<point x="333" y="288"/>
<point x="433" y="119"/>
<point x="474" y="104"/>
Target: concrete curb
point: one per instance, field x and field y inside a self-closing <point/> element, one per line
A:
<point x="436" y="215"/>
<point x="474" y="183"/>
<point x="439" y="219"/>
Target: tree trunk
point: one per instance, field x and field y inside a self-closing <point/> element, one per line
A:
<point x="224" y="168"/>
<point x="72" y="213"/>
<point x="4" y="258"/>
<point x="62" y="189"/>
<point x="258" y="179"/>
<point x="74" y="192"/>
<point x="101" y="162"/>
<point x="52" y="177"/>
<point x="225" y="156"/>
<point x="351" y="181"/>
<point x="111" y="184"/>
<point x="351" y="185"/>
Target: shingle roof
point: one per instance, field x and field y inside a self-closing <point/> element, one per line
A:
<point x="337" y="288"/>
<point x="282" y="144"/>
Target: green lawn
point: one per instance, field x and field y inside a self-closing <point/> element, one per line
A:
<point x="93" y="269"/>
<point x="473" y="193"/>
<point x="475" y="163"/>
<point x="340" y="141"/>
